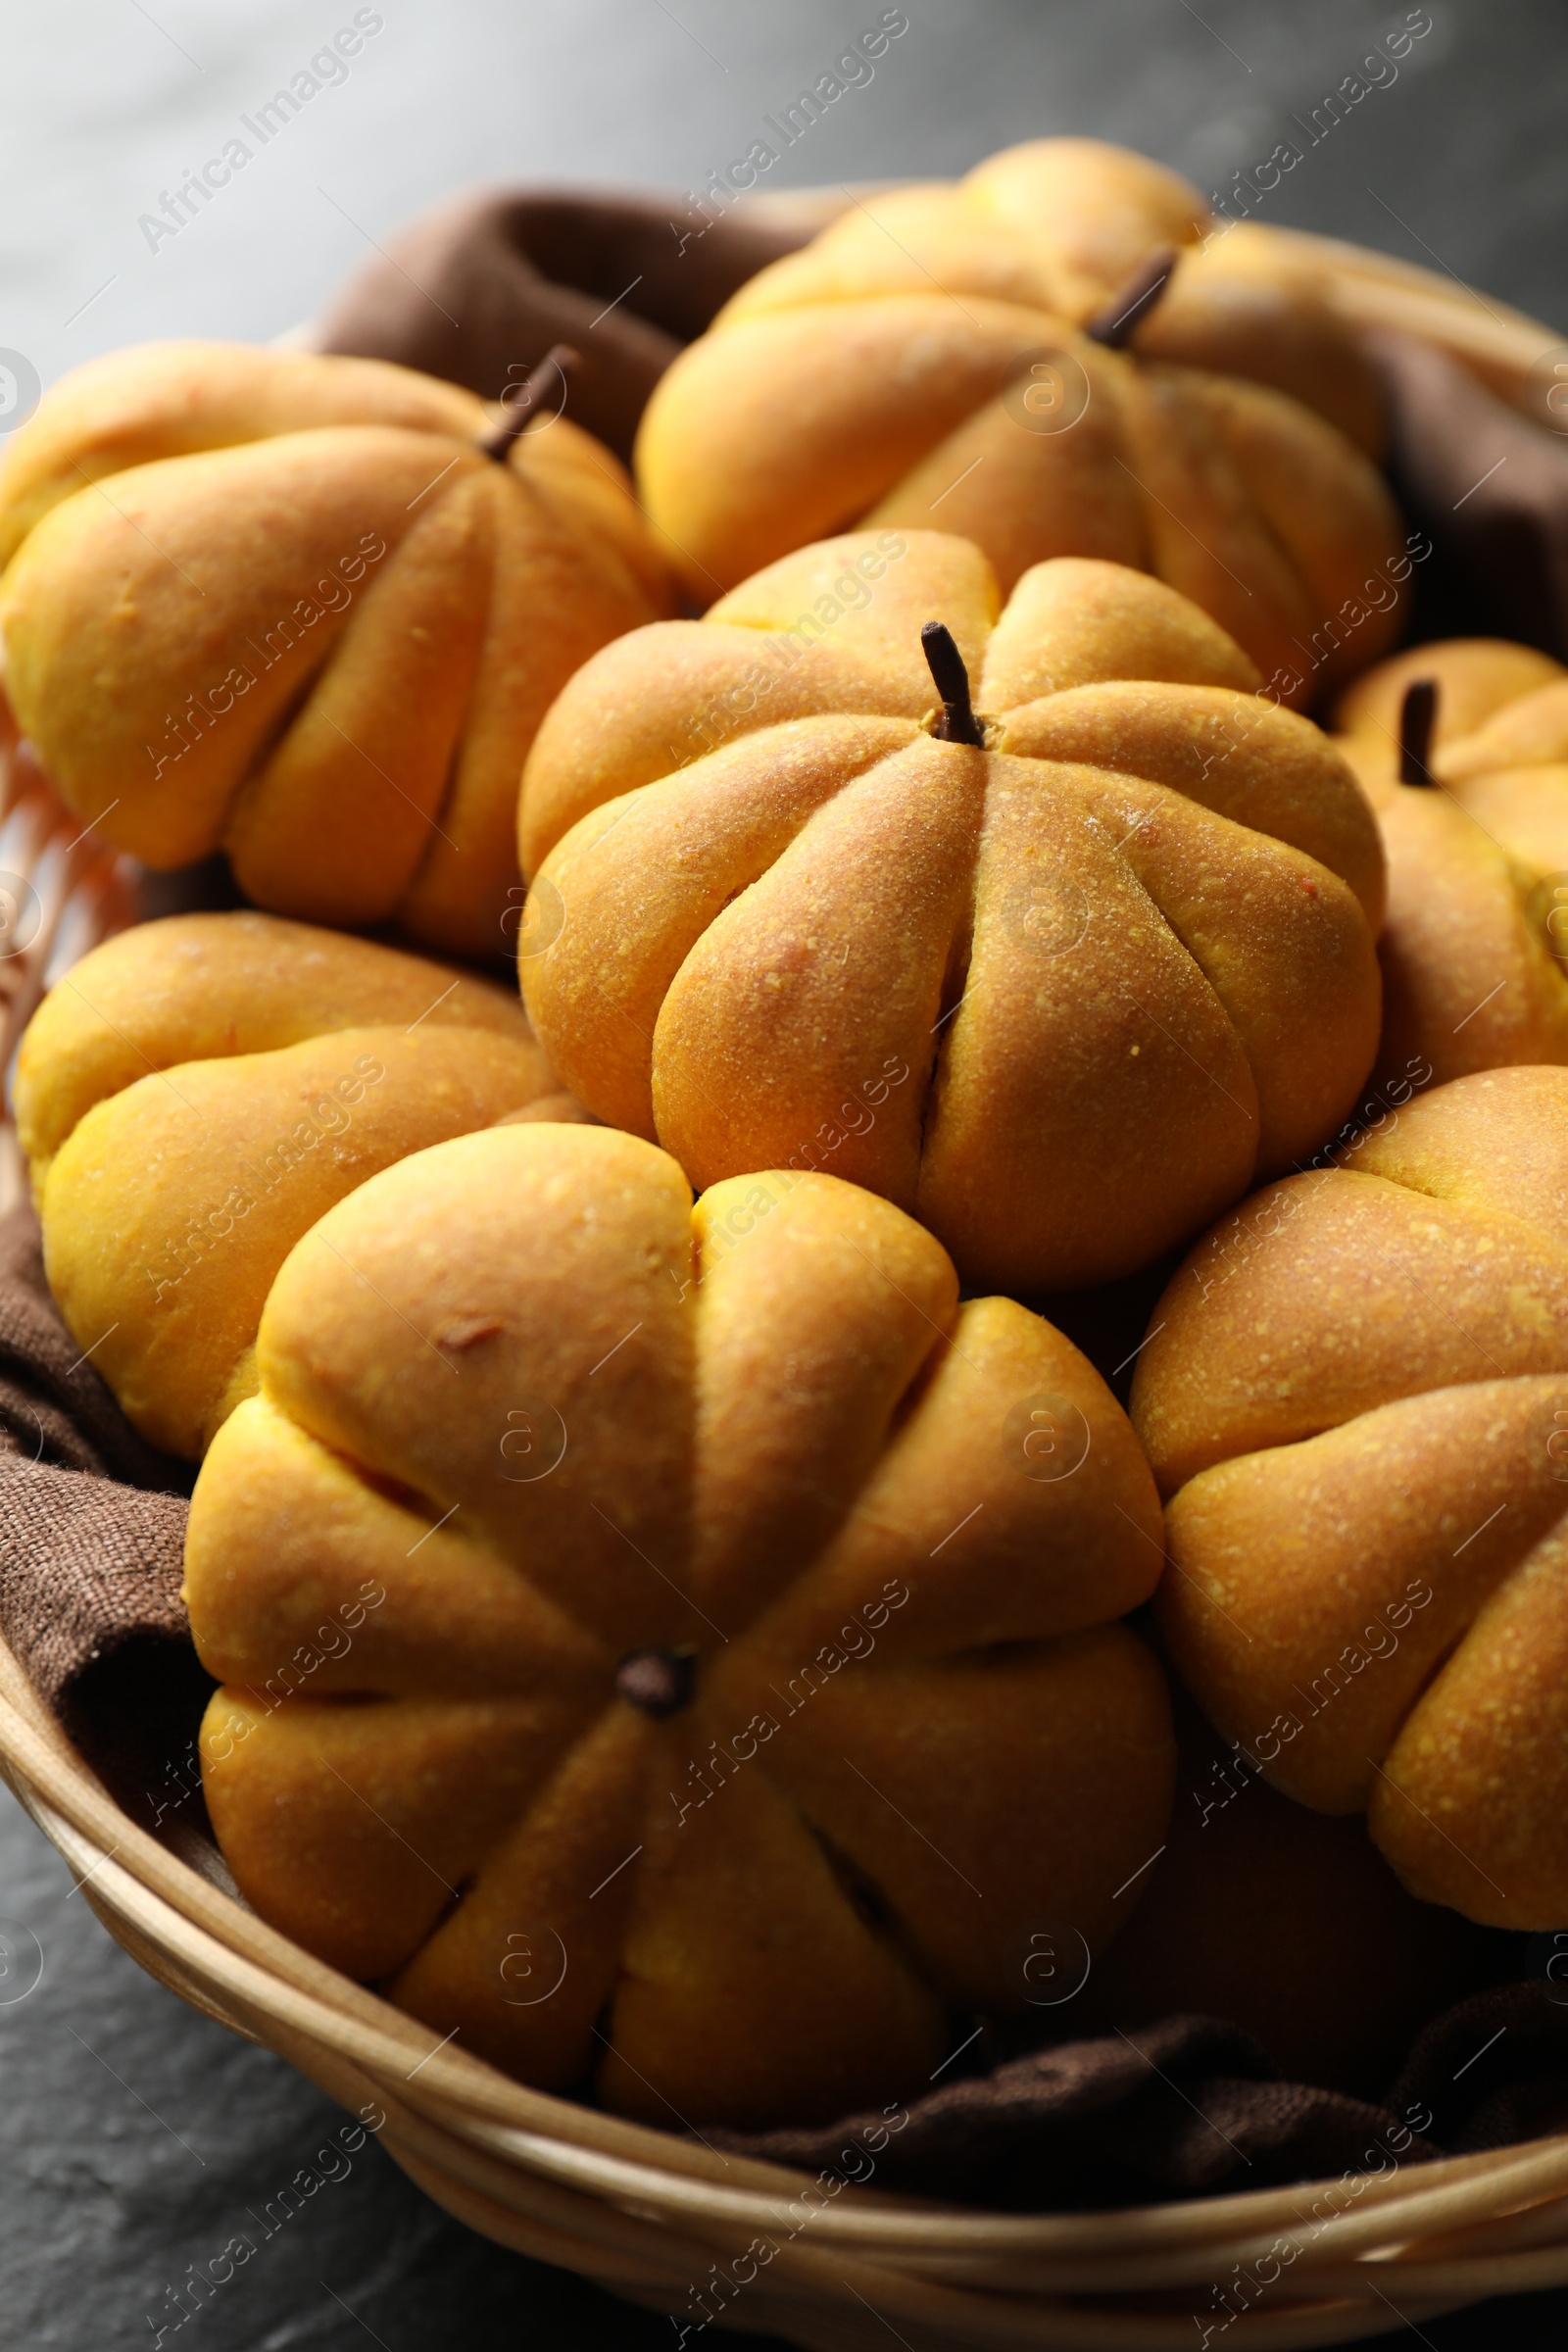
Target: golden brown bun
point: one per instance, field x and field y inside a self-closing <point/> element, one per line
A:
<point x="881" y="375"/>
<point x="1061" y="998"/>
<point x="526" y="1411"/>
<point x="1287" y="1923"/>
<point x="281" y="603"/>
<point x="193" y="1095"/>
<point x="1240" y="306"/>
<point x="1355" y="1394"/>
<point x="1054" y="225"/>
<point x="1475" y="948"/>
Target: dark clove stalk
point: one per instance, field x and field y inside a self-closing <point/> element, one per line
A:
<point x="1115" y="325"/>
<point x="958" y="724"/>
<point x="520" y="405"/>
<point x="658" y="1681"/>
<point x="1418" y="715"/>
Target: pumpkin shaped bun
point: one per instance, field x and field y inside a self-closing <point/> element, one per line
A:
<point x="292" y="607"/>
<point x="1058" y="975"/>
<point x="192" y="1096"/>
<point x="1355" y="1394"/>
<point x="671" y="1647"/>
<point x="1285" y="1922"/>
<point x="953" y="354"/>
<point x="1462" y="749"/>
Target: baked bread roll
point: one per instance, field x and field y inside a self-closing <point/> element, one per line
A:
<point x="1355" y="1396"/>
<point x="1061" y="991"/>
<point x="953" y="354"/>
<point x="1462" y="749"/>
<point x="1285" y="1922"/>
<point x="192" y="1096"/>
<point x="287" y="605"/>
<point x="672" y="1648"/>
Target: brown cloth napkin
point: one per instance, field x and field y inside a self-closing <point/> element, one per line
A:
<point x="478" y="290"/>
<point x="1492" y="489"/>
<point x="92" y="1520"/>
<point x="92" y="1532"/>
<point x="1192" y="2106"/>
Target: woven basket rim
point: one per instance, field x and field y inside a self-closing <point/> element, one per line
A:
<point x="1425" y="2216"/>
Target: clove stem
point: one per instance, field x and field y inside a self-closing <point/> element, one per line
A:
<point x="958" y="724"/>
<point x="1418" y="715"/>
<point x="1115" y="325"/>
<point x="659" y="1681"/>
<point x="520" y="404"/>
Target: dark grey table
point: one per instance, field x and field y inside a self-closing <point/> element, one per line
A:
<point x="134" y="2133"/>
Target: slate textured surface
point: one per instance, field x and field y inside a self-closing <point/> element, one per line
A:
<point x="134" y="2135"/>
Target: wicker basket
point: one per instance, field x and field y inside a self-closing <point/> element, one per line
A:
<point x="667" y="2220"/>
<point x="60" y="892"/>
<point x="670" y="2223"/>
